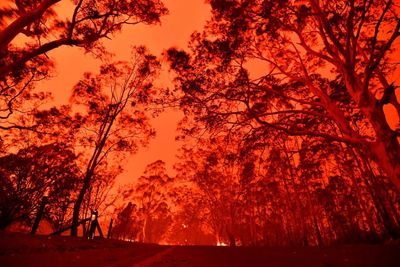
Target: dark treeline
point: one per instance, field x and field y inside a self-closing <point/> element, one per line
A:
<point x="274" y="194"/>
<point x="287" y="194"/>
<point x="284" y="140"/>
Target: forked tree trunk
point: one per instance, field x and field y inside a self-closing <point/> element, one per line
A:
<point x="385" y="150"/>
<point x="78" y="204"/>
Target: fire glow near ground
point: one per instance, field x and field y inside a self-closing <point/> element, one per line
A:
<point x="26" y="250"/>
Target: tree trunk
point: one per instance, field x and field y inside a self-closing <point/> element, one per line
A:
<point x="12" y="30"/>
<point x="78" y="204"/>
<point x="144" y="230"/>
<point x="232" y="241"/>
<point x="385" y="150"/>
<point x="104" y="132"/>
<point x="320" y="241"/>
<point x="388" y="221"/>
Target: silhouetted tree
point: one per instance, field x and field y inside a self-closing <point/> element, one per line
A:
<point x="327" y="71"/>
<point x="150" y="194"/>
<point x="114" y="118"/>
<point x="86" y="23"/>
<point x="191" y="221"/>
<point x="32" y="173"/>
<point x="127" y="223"/>
<point x="83" y="23"/>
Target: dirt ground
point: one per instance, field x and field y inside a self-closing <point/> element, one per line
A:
<point x="26" y="250"/>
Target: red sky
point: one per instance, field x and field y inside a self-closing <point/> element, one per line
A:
<point x="184" y="18"/>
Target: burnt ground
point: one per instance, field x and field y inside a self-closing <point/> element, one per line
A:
<point x="26" y="250"/>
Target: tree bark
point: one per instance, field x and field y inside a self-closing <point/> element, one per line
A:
<point x="386" y="149"/>
<point x="93" y="162"/>
<point x="78" y="204"/>
<point x="369" y="178"/>
<point x="144" y="229"/>
<point x="12" y="30"/>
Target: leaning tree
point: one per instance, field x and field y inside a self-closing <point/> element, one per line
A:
<point x="111" y="114"/>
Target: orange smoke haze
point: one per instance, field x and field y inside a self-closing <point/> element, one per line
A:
<point x="293" y="149"/>
<point x="175" y="30"/>
<point x="184" y="18"/>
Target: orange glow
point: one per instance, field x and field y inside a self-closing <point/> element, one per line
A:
<point x="284" y="130"/>
<point x="184" y="18"/>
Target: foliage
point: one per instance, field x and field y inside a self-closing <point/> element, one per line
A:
<point x="327" y="73"/>
<point x="114" y="122"/>
<point x="44" y="27"/>
<point x="32" y="173"/>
